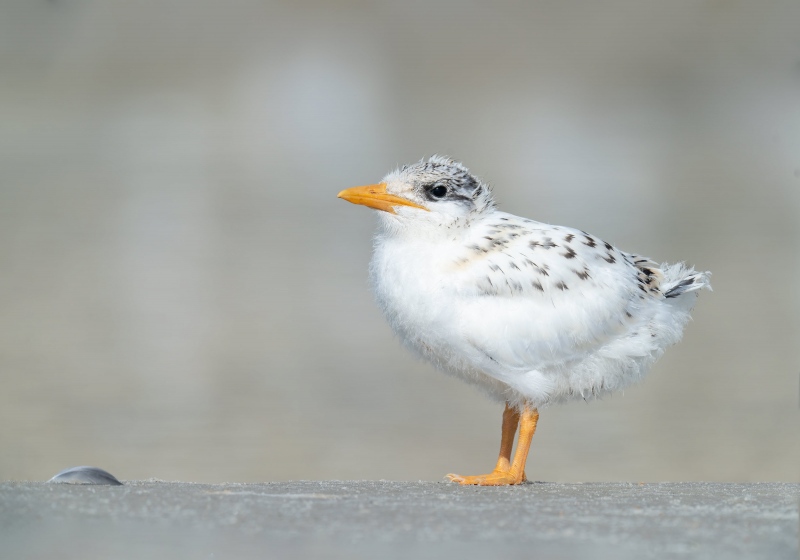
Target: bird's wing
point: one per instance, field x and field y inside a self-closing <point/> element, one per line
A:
<point x="534" y="295"/>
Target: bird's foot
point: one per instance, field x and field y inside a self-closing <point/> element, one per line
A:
<point x="495" y="478"/>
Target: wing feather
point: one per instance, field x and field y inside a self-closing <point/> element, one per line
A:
<point x="556" y="293"/>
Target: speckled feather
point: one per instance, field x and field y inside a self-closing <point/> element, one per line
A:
<point x="532" y="313"/>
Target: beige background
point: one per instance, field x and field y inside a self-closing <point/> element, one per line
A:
<point x="182" y="296"/>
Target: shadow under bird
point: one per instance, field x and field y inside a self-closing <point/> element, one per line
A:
<point x="532" y="313"/>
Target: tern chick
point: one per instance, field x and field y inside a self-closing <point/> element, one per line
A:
<point x="532" y="313"/>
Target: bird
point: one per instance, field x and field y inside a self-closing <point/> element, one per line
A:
<point x="531" y="313"/>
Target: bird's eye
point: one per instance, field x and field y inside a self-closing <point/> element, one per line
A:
<point x="439" y="191"/>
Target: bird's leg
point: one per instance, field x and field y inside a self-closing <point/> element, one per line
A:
<point x="506" y="472"/>
<point x="509" y="430"/>
<point x="527" y="427"/>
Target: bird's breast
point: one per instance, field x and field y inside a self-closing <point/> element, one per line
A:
<point x="414" y="289"/>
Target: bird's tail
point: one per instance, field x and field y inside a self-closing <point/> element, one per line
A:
<point x="680" y="279"/>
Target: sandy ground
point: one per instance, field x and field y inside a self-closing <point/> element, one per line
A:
<point x="360" y="519"/>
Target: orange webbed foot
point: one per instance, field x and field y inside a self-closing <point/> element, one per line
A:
<point x="495" y="478"/>
<point x="505" y="472"/>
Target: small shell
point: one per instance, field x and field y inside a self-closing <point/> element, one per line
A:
<point x="85" y="475"/>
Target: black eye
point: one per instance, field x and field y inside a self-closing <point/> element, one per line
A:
<point x="439" y="191"/>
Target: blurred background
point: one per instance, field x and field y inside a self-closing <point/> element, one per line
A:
<point x="183" y="297"/>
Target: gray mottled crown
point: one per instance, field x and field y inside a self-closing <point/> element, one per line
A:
<point x="438" y="171"/>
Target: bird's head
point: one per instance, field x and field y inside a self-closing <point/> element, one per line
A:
<point x="434" y="192"/>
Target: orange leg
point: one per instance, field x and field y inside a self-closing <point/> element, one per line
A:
<point x="506" y="472"/>
<point x="509" y="430"/>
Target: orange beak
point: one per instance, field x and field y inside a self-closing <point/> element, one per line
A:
<point x="375" y="196"/>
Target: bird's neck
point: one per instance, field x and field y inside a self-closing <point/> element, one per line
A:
<point x="433" y="227"/>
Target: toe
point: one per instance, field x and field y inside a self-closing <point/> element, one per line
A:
<point x="468" y="480"/>
<point x="454" y="477"/>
